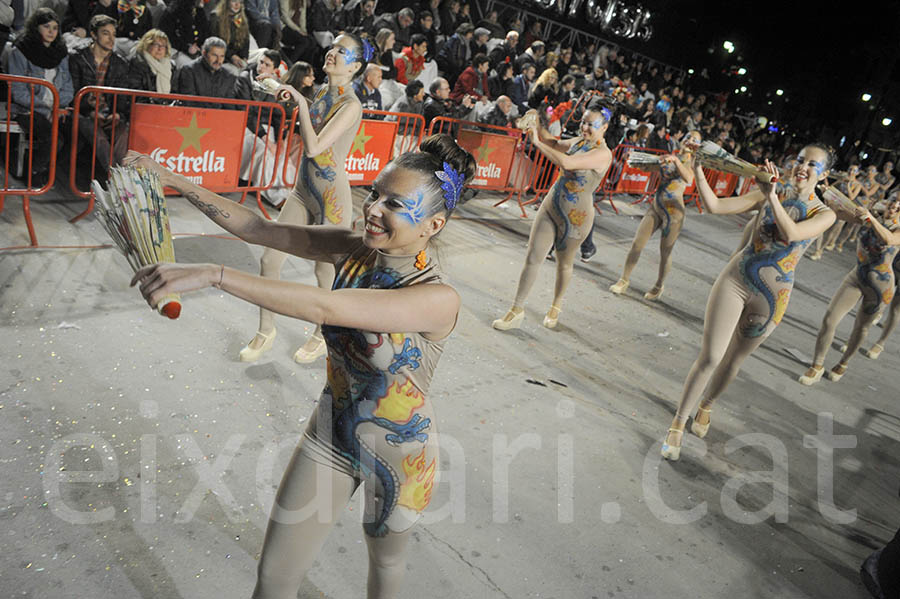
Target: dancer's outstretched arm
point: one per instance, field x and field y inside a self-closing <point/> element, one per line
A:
<point x="378" y="310"/>
<point x="717" y="205"/>
<point x="885" y="234"/>
<point x="321" y="243"/>
<point x="597" y="159"/>
<point x="793" y="231"/>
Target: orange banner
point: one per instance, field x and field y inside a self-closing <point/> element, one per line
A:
<point x="371" y="151"/>
<point x="203" y="144"/>
<point x="632" y="180"/>
<point x="493" y="154"/>
<point x="725" y="184"/>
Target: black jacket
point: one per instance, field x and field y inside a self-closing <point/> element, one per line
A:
<point x="181" y="20"/>
<point x="84" y="73"/>
<point x="79" y="14"/>
<point x="198" y="79"/>
<point x="141" y="77"/>
<point x="435" y="107"/>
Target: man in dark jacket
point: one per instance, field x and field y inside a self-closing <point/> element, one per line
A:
<point x="205" y="75"/>
<point x="505" y="52"/>
<point x="439" y="103"/>
<point x="521" y="86"/>
<point x="454" y="54"/>
<point x="400" y="23"/>
<point x="500" y="114"/>
<point x="99" y="65"/>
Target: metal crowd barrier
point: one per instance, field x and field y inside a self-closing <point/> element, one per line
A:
<point x="130" y="100"/>
<point x="25" y="145"/>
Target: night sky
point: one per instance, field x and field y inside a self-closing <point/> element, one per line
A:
<point x="823" y="55"/>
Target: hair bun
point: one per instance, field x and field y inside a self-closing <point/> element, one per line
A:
<point x="445" y="149"/>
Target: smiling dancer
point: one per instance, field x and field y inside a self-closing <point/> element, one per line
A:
<point x="872" y="279"/>
<point x="750" y="295"/>
<point x="322" y="193"/>
<point x="565" y="216"/>
<point x="665" y="213"/>
<point x="385" y="322"/>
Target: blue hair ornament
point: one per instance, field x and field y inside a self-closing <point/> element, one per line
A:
<point x="607" y="114"/>
<point x="452" y="184"/>
<point x="368" y="50"/>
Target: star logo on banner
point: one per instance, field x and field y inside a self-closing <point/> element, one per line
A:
<point x="359" y="143"/>
<point x="483" y="151"/>
<point x="191" y="135"/>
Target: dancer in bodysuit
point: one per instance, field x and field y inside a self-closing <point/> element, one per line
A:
<point x="750" y="295"/>
<point x="869" y="189"/>
<point x="872" y="279"/>
<point x="385" y="322"/>
<point x="665" y="213"/>
<point x="566" y="214"/>
<point x="885" y="181"/>
<point x="322" y="193"/>
<point x="850" y="188"/>
<point x="893" y="316"/>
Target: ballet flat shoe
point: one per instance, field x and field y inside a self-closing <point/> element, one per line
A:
<point x="836" y="373"/>
<point x="505" y="324"/>
<point x="842" y="348"/>
<point x="550" y="321"/>
<point x="829" y="247"/>
<point x="812" y="376"/>
<point x="816" y="256"/>
<point x="671" y="452"/>
<point x="873" y="352"/>
<point x="249" y="354"/>
<point x="619" y="286"/>
<point x="700" y="429"/>
<point x="305" y="355"/>
<point x="651" y="296"/>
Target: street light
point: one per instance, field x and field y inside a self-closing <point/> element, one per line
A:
<point x="779" y="92"/>
<point x="886" y="121"/>
<point x="742" y="71"/>
<point x="866" y="97"/>
<point x="729" y="47"/>
<point x="743" y="88"/>
<point x="690" y="71"/>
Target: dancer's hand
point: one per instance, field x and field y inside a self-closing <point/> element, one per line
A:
<point x="283" y="91"/>
<point x="139" y="160"/>
<point x="862" y="214"/>
<point x="159" y="280"/>
<point x="767" y="184"/>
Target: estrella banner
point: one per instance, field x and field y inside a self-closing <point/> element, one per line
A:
<point x="203" y="144"/>
<point x="493" y="156"/>
<point x="725" y="184"/>
<point x="371" y="151"/>
<point x="632" y="180"/>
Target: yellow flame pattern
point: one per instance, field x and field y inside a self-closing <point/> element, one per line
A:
<point x="415" y="493"/>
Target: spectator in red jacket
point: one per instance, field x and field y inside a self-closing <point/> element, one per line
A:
<point x="473" y="81"/>
<point x="412" y="60"/>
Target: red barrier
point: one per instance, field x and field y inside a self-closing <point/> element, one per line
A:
<point x="197" y="160"/>
<point x="621" y="178"/>
<point x="12" y="127"/>
<point x="501" y="163"/>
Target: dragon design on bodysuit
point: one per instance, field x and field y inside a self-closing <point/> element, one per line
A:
<point x="875" y="259"/>
<point x="565" y="196"/>
<point x="356" y="394"/>
<point x="323" y="165"/>
<point x="767" y="250"/>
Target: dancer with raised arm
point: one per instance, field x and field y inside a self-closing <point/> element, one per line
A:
<point x="850" y="187"/>
<point x="385" y="322"/>
<point x="750" y="295"/>
<point x="872" y="280"/>
<point x="666" y="213"/>
<point x="321" y="195"/>
<point x="566" y="214"/>
<point x="868" y="191"/>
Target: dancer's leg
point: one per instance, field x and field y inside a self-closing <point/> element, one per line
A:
<point x="739" y="349"/>
<point x="540" y="241"/>
<point x="864" y="320"/>
<point x="723" y="313"/>
<point x="387" y="563"/>
<point x="843" y="301"/>
<point x="648" y="225"/>
<point x="848" y="233"/>
<point x="565" y="261"/>
<point x="308" y="503"/>
<point x="666" y="245"/>
<point x="893" y="318"/>
<point x="830" y="236"/>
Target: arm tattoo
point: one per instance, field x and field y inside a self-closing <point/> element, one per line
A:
<point x="205" y="207"/>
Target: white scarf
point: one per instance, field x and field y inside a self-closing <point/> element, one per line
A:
<point x="163" y="71"/>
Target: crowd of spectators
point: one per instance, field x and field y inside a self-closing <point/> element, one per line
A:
<point x="432" y="58"/>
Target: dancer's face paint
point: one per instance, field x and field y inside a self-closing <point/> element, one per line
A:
<point x="396" y="211"/>
<point x="342" y="54"/>
<point x="893" y="209"/>
<point x="593" y="125"/>
<point x="809" y="167"/>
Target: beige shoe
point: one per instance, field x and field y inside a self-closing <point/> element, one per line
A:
<point x="619" y="286"/>
<point x="700" y="429"/>
<point x="816" y="255"/>
<point x="672" y="452"/>
<point x="812" y="376"/>
<point x="872" y="353"/>
<point x="512" y="320"/>
<point x="835" y="374"/>
<point x="312" y="350"/>
<point x="552" y="317"/>
<point x="654" y="293"/>
<point x="250" y="354"/>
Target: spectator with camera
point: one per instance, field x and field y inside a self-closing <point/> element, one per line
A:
<point x="438" y="102"/>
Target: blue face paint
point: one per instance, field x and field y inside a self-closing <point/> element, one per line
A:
<point x="819" y="166"/>
<point x="413" y="208"/>
<point x="596" y="124"/>
<point x="349" y="55"/>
